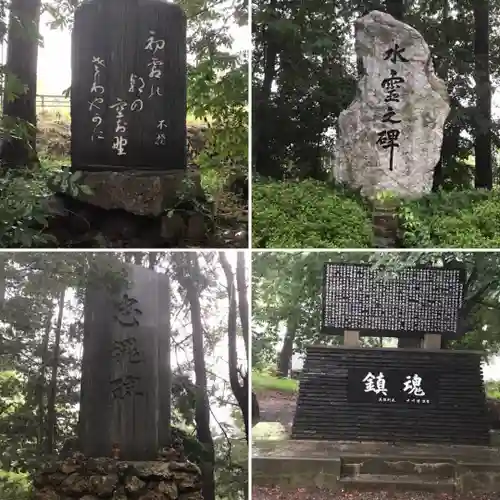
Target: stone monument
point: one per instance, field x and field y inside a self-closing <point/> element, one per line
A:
<point x="128" y="120"/>
<point x="126" y="450"/>
<point x="411" y="395"/>
<point x="386" y="419"/>
<point x="391" y="135"/>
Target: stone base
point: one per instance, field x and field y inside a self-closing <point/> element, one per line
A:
<point x="141" y="193"/>
<point x="104" y="478"/>
<point x="76" y="224"/>
<point x="376" y="466"/>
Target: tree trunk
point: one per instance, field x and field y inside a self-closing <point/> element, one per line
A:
<point x="395" y="8"/>
<point x="240" y="391"/>
<point x="22" y="57"/>
<point x="241" y="282"/>
<point x="40" y="383"/>
<point x="152" y="260"/>
<point x="202" y="407"/>
<point x="285" y="356"/>
<point x="484" y="172"/>
<point x="51" y="400"/>
<point x="264" y="164"/>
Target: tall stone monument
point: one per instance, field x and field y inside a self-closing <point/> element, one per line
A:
<point x="391" y="134"/>
<point x="126" y="450"/>
<point x="126" y="379"/>
<point x="128" y="102"/>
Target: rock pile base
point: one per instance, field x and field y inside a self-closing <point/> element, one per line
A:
<point x="104" y="478"/>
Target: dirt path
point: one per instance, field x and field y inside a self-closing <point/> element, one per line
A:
<point x="277" y="407"/>
<point x="260" y="493"/>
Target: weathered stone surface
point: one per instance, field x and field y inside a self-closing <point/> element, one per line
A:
<point x="398" y="86"/>
<point x="133" y="484"/>
<point x="140" y="193"/>
<point x="159" y="470"/>
<point x="103" y="485"/>
<point x="75" y="483"/>
<point x="46" y="494"/>
<point x="168" y="489"/>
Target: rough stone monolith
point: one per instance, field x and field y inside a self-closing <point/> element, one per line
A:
<point x="391" y="134"/>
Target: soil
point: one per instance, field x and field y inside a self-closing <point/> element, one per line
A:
<point x="277" y="406"/>
<point x="261" y="493"/>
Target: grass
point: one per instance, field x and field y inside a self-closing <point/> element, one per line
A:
<point x="267" y="382"/>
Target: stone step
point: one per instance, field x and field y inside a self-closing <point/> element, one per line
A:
<point x="424" y="467"/>
<point x="391" y="482"/>
<point x="296" y="472"/>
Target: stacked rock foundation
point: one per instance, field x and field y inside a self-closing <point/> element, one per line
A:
<point x="104" y="478"/>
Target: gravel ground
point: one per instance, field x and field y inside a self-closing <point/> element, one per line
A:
<point x="261" y="493"/>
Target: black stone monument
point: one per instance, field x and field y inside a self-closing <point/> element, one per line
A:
<point x="128" y="122"/>
<point x="126" y="375"/>
<point x="423" y="395"/>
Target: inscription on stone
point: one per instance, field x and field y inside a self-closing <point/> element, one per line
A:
<point x="411" y="301"/>
<point x="388" y="138"/>
<point x="389" y="386"/>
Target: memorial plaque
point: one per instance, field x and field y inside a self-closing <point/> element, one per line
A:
<point x="409" y="302"/>
<point x="377" y="385"/>
<point x="128" y="90"/>
<point x="126" y="377"/>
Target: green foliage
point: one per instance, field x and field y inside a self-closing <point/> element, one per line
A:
<point x="21" y="210"/>
<point x="308" y="214"/>
<point x="14" y="486"/>
<point x="493" y="389"/>
<point x="468" y="219"/>
<point x="267" y="382"/>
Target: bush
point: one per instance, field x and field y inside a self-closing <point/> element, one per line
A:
<point x="14" y="486"/>
<point x="308" y="214"/>
<point x="456" y="219"/>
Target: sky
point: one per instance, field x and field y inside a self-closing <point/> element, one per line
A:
<point x="54" y="58"/>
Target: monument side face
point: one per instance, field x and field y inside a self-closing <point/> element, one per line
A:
<point x="128" y="90"/>
<point x="391" y="135"/>
<point x="120" y="402"/>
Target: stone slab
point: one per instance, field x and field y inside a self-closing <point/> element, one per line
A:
<point x="382" y="482"/>
<point x="140" y="193"/>
<point x="296" y="472"/>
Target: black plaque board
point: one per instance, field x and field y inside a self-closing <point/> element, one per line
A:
<point x="330" y="407"/>
<point x="404" y="303"/>
<point x="128" y="90"/>
<point x="406" y="388"/>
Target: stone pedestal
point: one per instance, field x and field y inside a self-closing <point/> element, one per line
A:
<point x="140" y="192"/>
<point x="133" y="210"/>
<point x="104" y="478"/>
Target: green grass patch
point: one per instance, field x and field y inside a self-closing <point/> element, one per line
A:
<point x="456" y="219"/>
<point x="492" y="388"/>
<point x="267" y="382"/>
<point x="308" y="214"/>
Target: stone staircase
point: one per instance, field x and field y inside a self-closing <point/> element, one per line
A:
<point x="456" y="469"/>
<point x="397" y="474"/>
